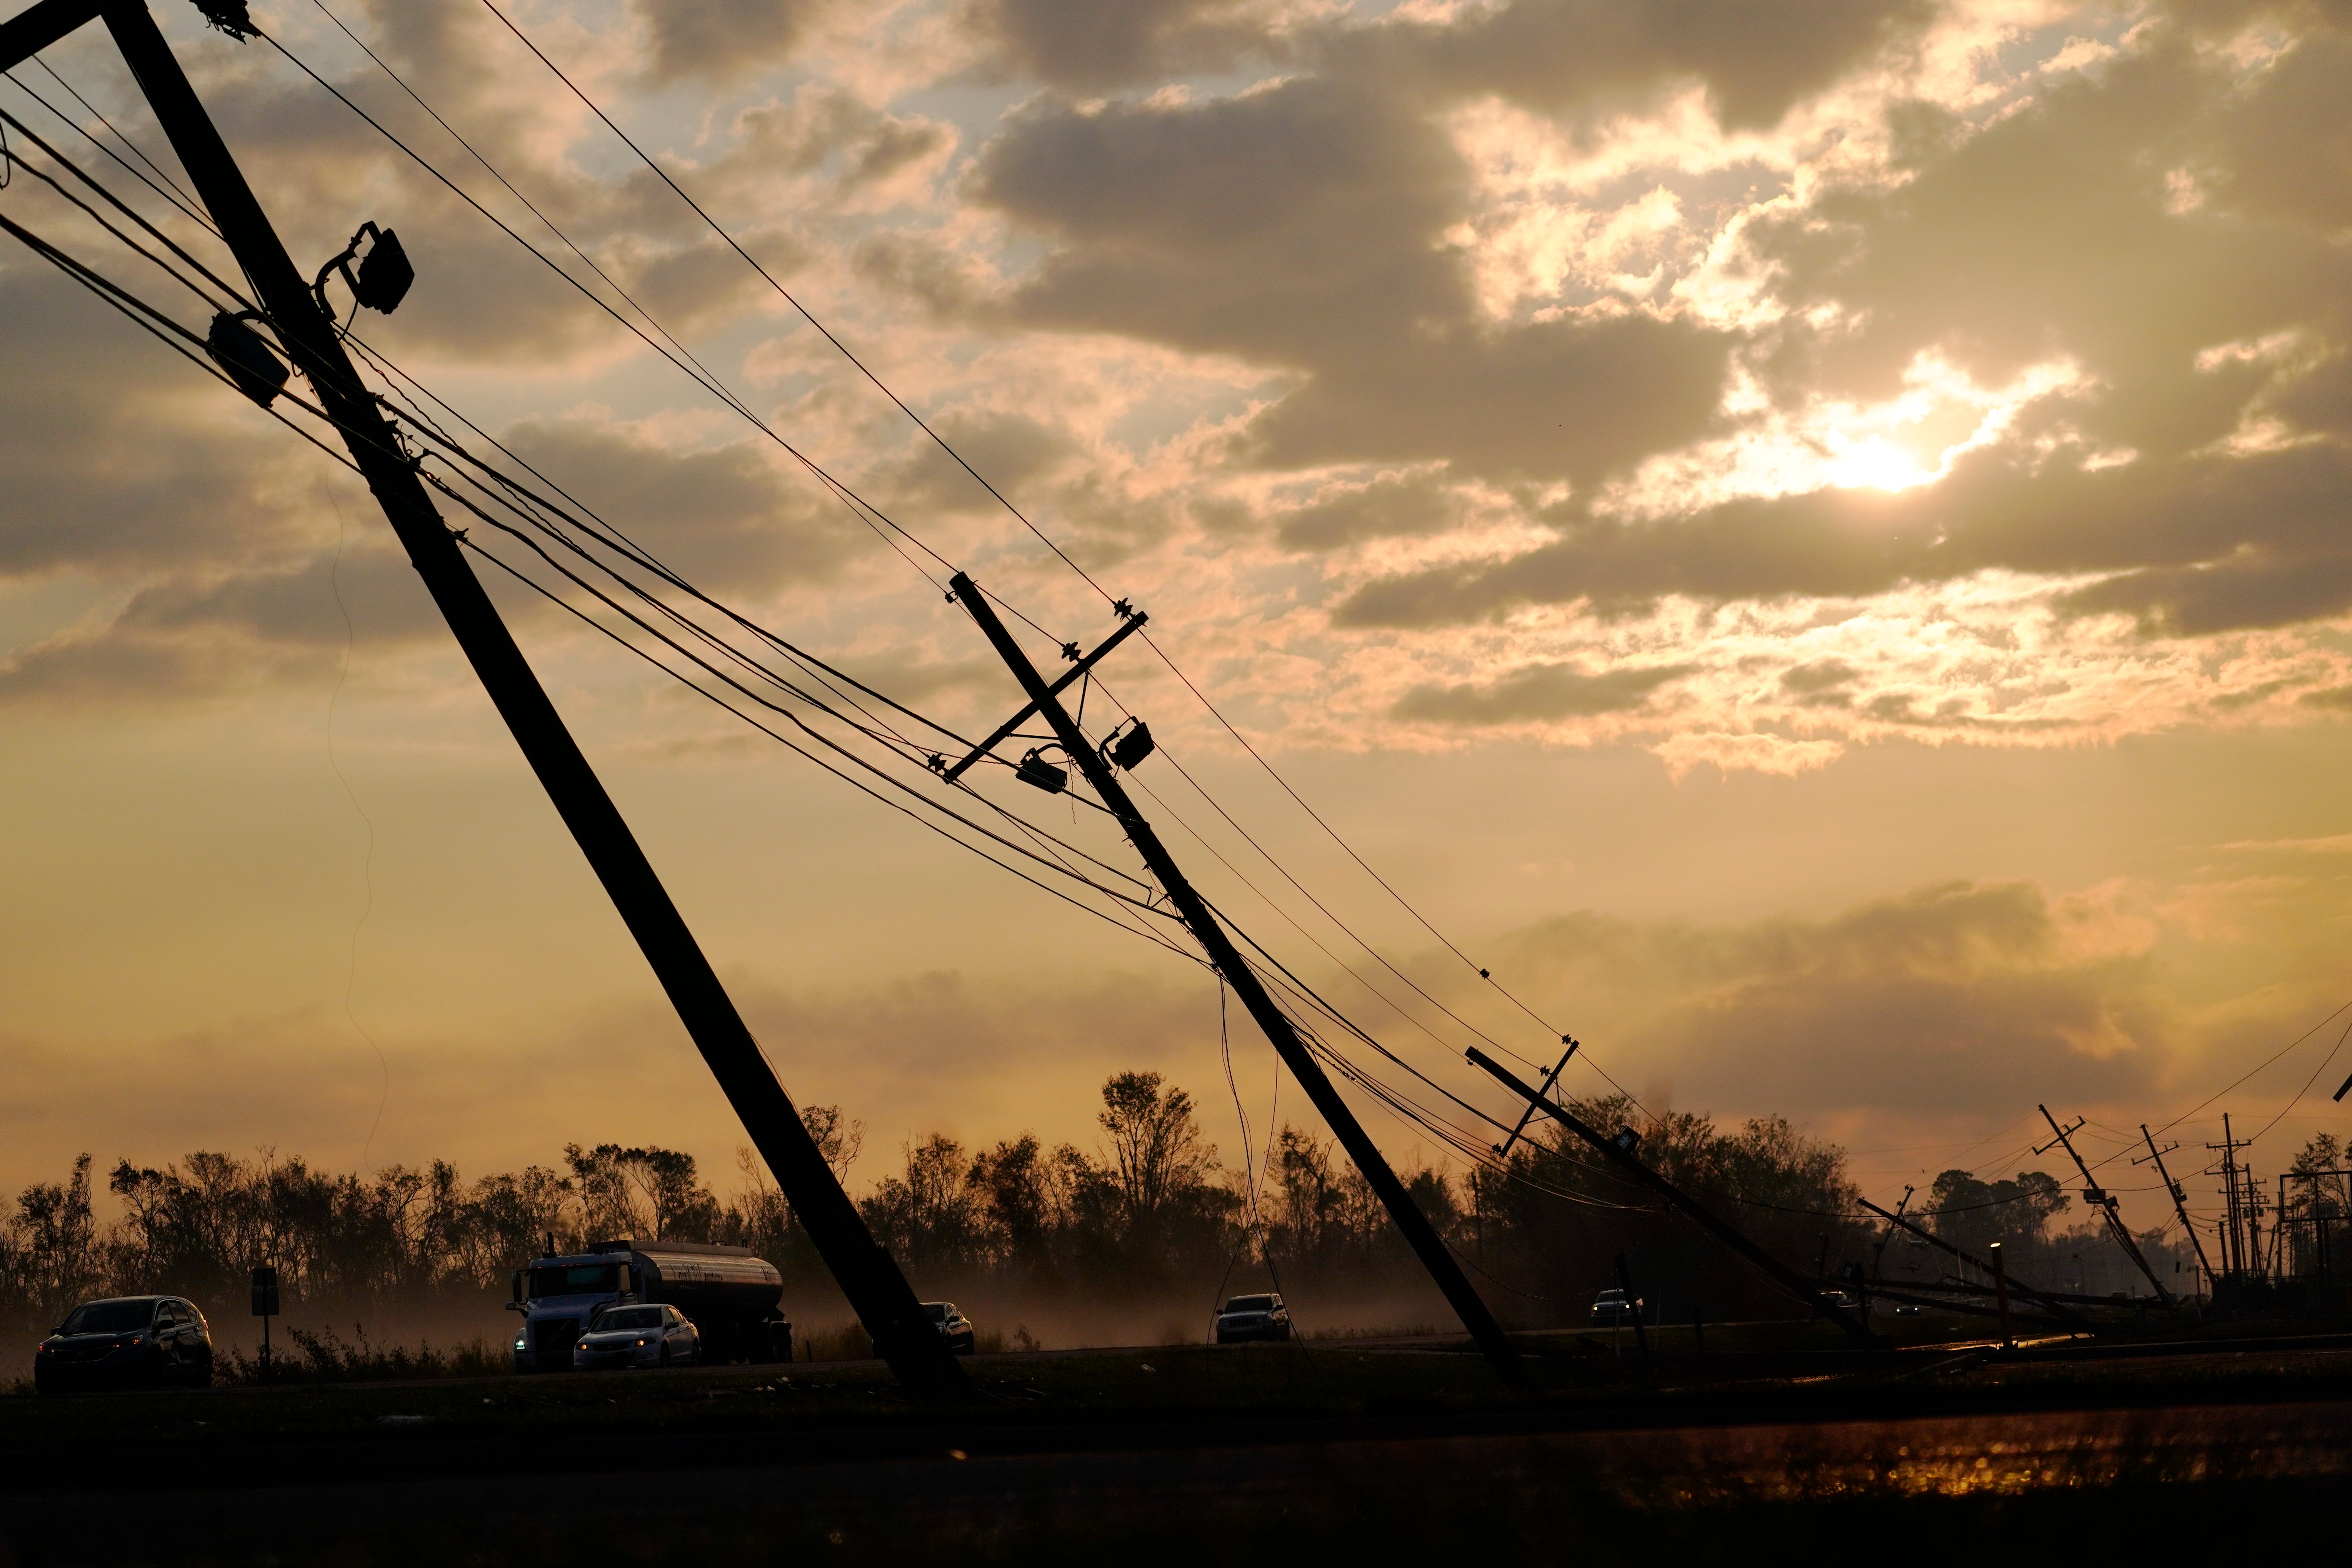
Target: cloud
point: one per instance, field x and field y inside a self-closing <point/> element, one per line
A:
<point x="1756" y="60"/>
<point x="1300" y="226"/>
<point x="1093" y="45"/>
<point x="727" y="518"/>
<point x="1542" y="692"/>
<point x="120" y="455"/>
<point x="1391" y="506"/>
<point x="1955" y="998"/>
<point x="723" y="39"/>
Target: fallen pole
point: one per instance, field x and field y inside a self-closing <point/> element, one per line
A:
<point x="1622" y="1155"/>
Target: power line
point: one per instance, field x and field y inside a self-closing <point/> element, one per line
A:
<point x="663" y="175"/>
<point x="720" y="230"/>
<point x="859" y="505"/>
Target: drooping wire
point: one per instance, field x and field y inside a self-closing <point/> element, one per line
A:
<point x="856" y="503"/>
<point x="159" y="324"/>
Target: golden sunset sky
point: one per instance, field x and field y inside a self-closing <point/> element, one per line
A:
<point x="1808" y="536"/>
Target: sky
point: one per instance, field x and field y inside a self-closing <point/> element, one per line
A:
<point x="1805" y="538"/>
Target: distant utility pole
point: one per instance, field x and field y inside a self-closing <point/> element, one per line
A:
<point x="2234" y="1202"/>
<point x="2179" y="1200"/>
<point x="2104" y="1201"/>
<point x="1045" y="700"/>
<point x="884" y="1304"/>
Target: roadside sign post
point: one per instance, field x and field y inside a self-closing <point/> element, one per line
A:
<point x="264" y="1307"/>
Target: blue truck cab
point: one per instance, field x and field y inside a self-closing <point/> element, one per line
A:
<point x="730" y="1293"/>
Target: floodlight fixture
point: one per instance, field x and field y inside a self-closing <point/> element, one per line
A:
<point x="384" y="276"/>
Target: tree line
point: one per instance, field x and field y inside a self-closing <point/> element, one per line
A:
<point x="1153" y="1208"/>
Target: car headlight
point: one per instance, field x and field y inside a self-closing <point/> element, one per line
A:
<point x="522" y="1345"/>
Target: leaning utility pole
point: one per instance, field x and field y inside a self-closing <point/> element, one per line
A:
<point x="1986" y="1266"/>
<point x="2179" y="1201"/>
<point x="885" y="1305"/>
<point x="1045" y="700"/>
<point x="1619" y="1152"/>
<point x="2105" y="1201"/>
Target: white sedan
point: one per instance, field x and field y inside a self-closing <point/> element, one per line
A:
<point x="637" y="1336"/>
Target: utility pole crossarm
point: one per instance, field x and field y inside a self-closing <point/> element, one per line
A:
<point x="884" y="1302"/>
<point x="2106" y="1202"/>
<point x="1418" y="1233"/>
<point x="1134" y="623"/>
<point x="1503" y="1149"/>
<point x="1786" y="1277"/>
<point x="35" y="28"/>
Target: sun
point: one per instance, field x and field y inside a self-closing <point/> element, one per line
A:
<point x="1874" y="463"/>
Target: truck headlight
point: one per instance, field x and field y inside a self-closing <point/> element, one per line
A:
<point x="521" y="1345"/>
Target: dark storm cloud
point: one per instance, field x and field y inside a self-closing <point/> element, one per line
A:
<point x="1756" y="58"/>
<point x="1094" y="45"/>
<point x="1300" y="226"/>
<point x="723" y="38"/>
<point x="1538" y="692"/>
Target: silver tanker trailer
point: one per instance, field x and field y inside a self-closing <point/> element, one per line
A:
<point x="730" y="1293"/>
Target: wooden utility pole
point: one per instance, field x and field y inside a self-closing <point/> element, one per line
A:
<point x="1194" y="909"/>
<point x="2179" y="1200"/>
<point x="2104" y="1201"/>
<point x="884" y="1304"/>
<point x="1619" y="1152"/>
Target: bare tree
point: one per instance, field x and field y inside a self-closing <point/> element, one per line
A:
<point x="1156" y="1147"/>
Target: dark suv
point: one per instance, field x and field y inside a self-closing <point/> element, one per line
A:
<point x="126" y="1340"/>
<point x="1253" y="1318"/>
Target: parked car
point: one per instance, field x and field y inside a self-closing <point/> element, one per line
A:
<point x="123" y="1341"/>
<point x="651" y="1335"/>
<point x="1253" y="1318"/>
<point x="953" y="1325"/>
<point x="1610" y="1308"/>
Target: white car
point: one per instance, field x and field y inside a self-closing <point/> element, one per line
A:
<point x="652" y="1335"/>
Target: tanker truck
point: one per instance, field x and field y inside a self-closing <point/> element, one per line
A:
<point x="729" y="1293"/>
